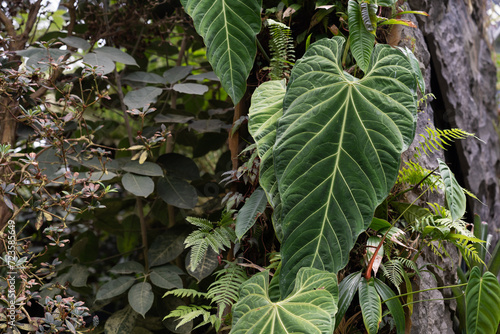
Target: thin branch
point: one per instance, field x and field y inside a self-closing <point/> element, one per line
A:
<point x="8" y="24"/>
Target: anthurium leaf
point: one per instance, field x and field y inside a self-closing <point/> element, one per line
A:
<point x="141" y="297"/>
<point x="371" y="306"/>
<point x="122" y="321"/>
<point x="415" y="65"/>
<point x="482" y="299"/>
<point x="361" y="39"/>
<point x="265" y="110"/>
<point x="229" y="28"/>
<point x="310" y="308"/>
<point x="347" y="290"/>
<point x="394" y="305"/>
<point x="248" y="214"/>
<point x="455" y="196"/>
<point x="138" y="185"/>
<point x="115" y="287"/>
<point x="337" y="151"/>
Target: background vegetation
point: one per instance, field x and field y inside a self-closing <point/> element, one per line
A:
<point x="147" y="200"/>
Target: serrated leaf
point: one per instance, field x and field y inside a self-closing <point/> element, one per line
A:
<point x="166" y="277"/>
<point x="128" y="267"/>
<point x="206" y="266"/>
<point x="248" y="214"/>
<point x="105" y="65"/>
<point x="145" y="77"/>
<point x="455" y="197"/>
<point x="146" y="168"/>
<point x="482" y="299"/>
<point x="229" y="29"/>
<point x="138" y="185"/>
<point x="115" y="287"/>
<point x="177" y="73"/>
<point x="121" y="322"/>
<point x="137" y="99"/>
<point x="141" y="297"/>
<point x="310" y="308"/>
<point x="177" y="192"/>
<point x="75" y="42"/>
<point x="337" y="151"/>
<point x="371" y="306"/>
<point x="190" y="88"/>
<point x="361" y="39"/>
<point x="167" y="246"/>
<point x="116" y="55"/>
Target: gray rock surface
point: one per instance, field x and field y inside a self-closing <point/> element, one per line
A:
<point x="456" y="63"/>
<point x="464" y="82"/>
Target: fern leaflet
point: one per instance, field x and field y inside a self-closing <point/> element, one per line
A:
<point x="225" y="290"/>
<point x="217" y="236"/>
<point x="282" y="49"/>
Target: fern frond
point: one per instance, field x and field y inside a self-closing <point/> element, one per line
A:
<point x="182" y="293"/>
<point x="203" y="224"/>
<point x="225" y="290"/>
<point x="282" y="50"/>
<point x="188" y="313"/>
<point x="211" y="235"/>
<point x="437" y="139"/>
<point x="393" y="270"/>
<point x="413" y="173"/>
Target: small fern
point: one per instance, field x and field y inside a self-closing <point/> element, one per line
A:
<point x="282" y="49"/>
<point x="413" y="173"/>
<point x="183" y="293"/>
<point x="225" y="290"/>
<point x="188" y="313"/>
<point x="437" y="139"/>
<point x="393" y="270"/>
<point x="217" y="236"/>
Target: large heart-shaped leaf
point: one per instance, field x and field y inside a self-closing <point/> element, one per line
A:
<point x="310" y="308"/>
<point x="228" y="28"/>
<point x="482" y="298"/>
<point x="337" y="151"/>
<point x="265" y="110"/>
